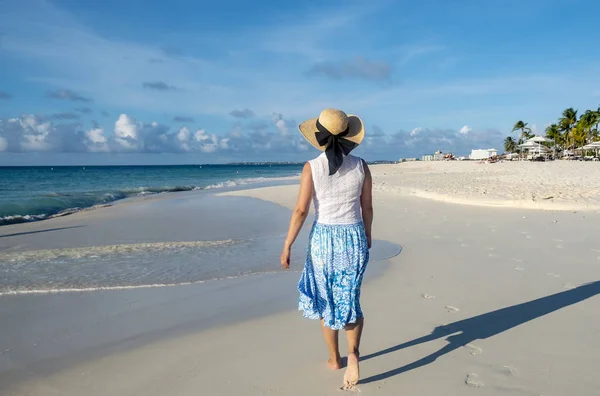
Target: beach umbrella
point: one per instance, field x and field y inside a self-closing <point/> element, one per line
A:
<point x="592" y="146"/>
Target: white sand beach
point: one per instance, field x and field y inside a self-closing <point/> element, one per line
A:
<point x="490" y="298"/>
<point x="556" y="185"/>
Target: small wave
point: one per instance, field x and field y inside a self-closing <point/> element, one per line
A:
<point x="249" y="180"/>
<point x="132" y="287"/>
<point x="98" y="251"/>
<point x="16" y="219"/>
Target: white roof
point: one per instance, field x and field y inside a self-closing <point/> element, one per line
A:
<point x="539" y="139"/>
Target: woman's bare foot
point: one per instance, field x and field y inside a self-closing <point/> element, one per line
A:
<point x="352" y="374"/>
<point x="335" y="364"/>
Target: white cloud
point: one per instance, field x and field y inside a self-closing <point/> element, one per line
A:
<point x="35" y="133"/>
<point x="96" y="135"/>
<point x="126" y="132"/>
<point x="96" y="141"/>
<point x="211" y="143"/>
<point x="280" y="123"/>
<point x="465" y="130"/>
<point x="415" y="131"/>
<point x="201" y="135"/>
<point x="183" y="135"/>
<point x="31" y="133"/>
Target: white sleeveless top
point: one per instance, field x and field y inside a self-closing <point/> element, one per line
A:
<point x="337" y="197"/>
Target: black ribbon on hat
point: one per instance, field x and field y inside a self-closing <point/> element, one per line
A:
<point x="336" y="146"/>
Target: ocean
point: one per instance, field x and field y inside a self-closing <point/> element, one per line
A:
<point x="37" y="193"/>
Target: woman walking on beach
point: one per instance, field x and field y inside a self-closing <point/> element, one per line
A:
<point x="340" y="239"/>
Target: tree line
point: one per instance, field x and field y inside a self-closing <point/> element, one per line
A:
<point x="569" y="132"/>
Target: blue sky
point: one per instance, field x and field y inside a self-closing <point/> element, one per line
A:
<point x="133" y="81"/>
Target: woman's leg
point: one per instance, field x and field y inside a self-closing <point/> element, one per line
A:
<point x="353" y="334"/>
<point x="331" y="338"/>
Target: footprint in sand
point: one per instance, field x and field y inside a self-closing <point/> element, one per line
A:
<point x="492" y="255"/>
<point x="474" y="349"/>
<point x="568" y="286"/>
<point x="473" y="381"/>
<point x="553" y="275"/>
<point x="510" y="371"/>
<point x="517" y="268"/>
<point x="559" y="246"/>
<point x="427" y="296"/>
<point x="464" y="245"/>
<point x="451" y="309"/>
<point x="437" y="237"/>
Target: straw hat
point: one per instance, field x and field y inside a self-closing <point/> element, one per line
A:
<point x="336" y="122"/>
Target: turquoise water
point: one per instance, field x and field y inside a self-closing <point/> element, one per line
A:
<point x="37" y="193"/>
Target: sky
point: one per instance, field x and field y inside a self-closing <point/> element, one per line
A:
<point x="186" y="81"/>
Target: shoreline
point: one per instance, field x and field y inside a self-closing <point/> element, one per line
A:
<point x="399" y="178"/>
<point x="150" y="242"/>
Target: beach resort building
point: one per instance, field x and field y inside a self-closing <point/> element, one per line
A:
<point x="481" y="154"/>
<point x="438" y="156"/>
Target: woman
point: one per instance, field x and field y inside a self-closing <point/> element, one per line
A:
<point x="340" y="239"/>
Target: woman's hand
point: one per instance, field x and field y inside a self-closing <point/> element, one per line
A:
<point x="369" y="241"/>
<point x="285" y="258"/>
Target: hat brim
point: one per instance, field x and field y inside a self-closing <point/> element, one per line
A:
<point x="356" y="131"/>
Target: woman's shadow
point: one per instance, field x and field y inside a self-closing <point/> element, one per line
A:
<point x="485" y="326"/>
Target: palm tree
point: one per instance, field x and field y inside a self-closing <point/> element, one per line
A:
<point x="521" y="126"/>
<point x="596" y="130"/>
<point x="553" y="133"/>
<point x="510" y="145"/>
<point x="584" y="126"/>
<point x="579" y="134"/>
<point x="567" y="122"/>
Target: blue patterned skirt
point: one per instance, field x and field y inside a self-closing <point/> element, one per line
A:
<point x="330" y="283"/>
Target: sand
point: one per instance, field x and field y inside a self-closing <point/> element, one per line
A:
<point x="482" y="300"/>
<point x="556" y="185"/>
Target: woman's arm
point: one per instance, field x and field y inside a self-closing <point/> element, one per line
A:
<point x="366" y="202"/>
<point x="299" y="215"/>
